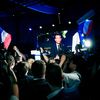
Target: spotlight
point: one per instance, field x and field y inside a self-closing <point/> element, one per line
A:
<point x="69" y="22"/>
<point x="87" y="20"/>
<point x="83" y="41"/>
<point x="58" y="13"/>
<point x="82" y="35"/>
<point x="30" y="29"/>
<point x="47" y="33"/>
<point x="88" y="43"/>
<point x="40" y="27"/>
<point x="53" y="25"/>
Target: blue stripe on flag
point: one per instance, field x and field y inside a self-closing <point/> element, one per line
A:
<point x="87" y="27"/>
<point x="1" y="30"/>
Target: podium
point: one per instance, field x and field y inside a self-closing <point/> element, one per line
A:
<point x="36" y="54"/>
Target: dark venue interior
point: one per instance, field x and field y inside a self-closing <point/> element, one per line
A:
<point x="22" y="19"/>
<point x="33" y="24"/>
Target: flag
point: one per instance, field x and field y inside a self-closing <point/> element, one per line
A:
<point x="5" y="38"/>
<point x="87" y="27"/>
<point x="75" y="41"/>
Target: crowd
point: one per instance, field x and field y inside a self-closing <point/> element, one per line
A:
<point x="73" y="78"/>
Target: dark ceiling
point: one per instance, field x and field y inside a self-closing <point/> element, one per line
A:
<point x="72" y="9"/>
<point x="45" y="12"/>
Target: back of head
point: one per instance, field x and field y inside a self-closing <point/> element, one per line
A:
<point x="30" y="61"/>
<point x="54" y="74"/>
<point x="38" y="68"/>
<point x="21" y="69"/>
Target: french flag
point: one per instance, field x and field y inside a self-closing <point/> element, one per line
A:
<point x="5" y="38"/>
<point x="87" y="27"/>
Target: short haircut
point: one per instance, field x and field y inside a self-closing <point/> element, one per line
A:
<point x="21" y="68"/>
<point x="57" y="33"/>
<point x="54" y="74"/>
<point x="38" y="68"/>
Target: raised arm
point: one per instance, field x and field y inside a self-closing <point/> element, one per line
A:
<point x="19" y="53"/>
<point x="44" y="56"/>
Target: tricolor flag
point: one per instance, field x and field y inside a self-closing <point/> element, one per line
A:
<point x="85" y="31"/>
<point x="5" y="38"/>
<point x="87" y="27"/>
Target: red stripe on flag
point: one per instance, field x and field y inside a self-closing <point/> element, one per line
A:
<point x="90" y="28"/>
<point x="7" y="41"/>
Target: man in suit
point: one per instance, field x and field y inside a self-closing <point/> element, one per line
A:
<point x="58" y="50"/>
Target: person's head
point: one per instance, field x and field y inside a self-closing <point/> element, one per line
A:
<point x="18" y="59"/>
<point x="21" y="69"/>
<point x="58" y="38"/>
<point x="73" y="63"/>
<point x="38" y="69"/>
<point x="30" y="61"/>
<point x="54" y="75"/>
<point x="51" y="60"/>
<point x="10" y="61"/>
